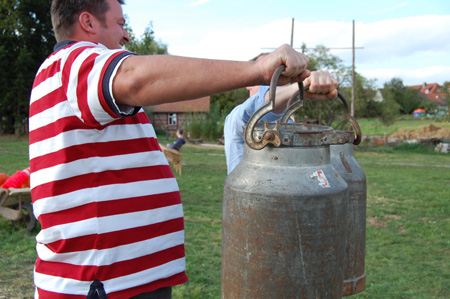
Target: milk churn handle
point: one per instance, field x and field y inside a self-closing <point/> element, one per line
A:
<point x="296" y="105"/>
<point x="299" y="104"/>
<point x="269" y="136"/>
<point x="351" y="119"/>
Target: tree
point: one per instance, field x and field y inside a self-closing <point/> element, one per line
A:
<point x="326" y="112"/>
<point x="147" y="45"/>
<point x="408" y="99"/>
<point x="447" y="93"/>
<point x="26" y="40"/>
<point x="365" y="91"/>
<point x="390" y="109"/>
<point x="229" y="99"/>
<point x="320" y="58"/>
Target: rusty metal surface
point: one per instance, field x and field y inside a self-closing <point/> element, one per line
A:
<point x="345" y="163"/>
<point x="270" y="137"/>
<point x="284" y="233"/>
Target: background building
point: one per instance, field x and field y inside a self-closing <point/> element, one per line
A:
<point x="172" y="116"/>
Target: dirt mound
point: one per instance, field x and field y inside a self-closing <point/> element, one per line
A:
<point x="430" y="131"/>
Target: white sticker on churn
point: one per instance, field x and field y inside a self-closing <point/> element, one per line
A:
<point x="322" y="178"/>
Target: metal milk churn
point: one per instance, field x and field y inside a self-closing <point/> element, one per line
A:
<point x="285" y="213"/>
<point x="345" y="163"/>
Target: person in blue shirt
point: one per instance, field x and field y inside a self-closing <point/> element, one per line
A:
<point x="322" y="86"/>
<point x="179" y="142"/>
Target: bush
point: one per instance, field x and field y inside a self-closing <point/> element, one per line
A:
<point x="194" y="127"/>
<point x="443" y="118"/>
<point x="415" y="147"/>
<point x="208" y="127"/>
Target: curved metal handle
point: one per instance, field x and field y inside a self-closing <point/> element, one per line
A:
<point x="269" y="136"/>
<point x="299" y="104"/>
<point x="355" y="125"/>
<point x="296" y="105"/>
<point x="351" y="119"/>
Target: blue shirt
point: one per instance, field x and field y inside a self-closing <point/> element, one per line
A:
<point x="234" y="126"/>
<point x="178" y="144"/>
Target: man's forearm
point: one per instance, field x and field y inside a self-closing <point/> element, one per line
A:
<point x="152" y="80"/>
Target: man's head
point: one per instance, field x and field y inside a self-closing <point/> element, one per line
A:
<point x="92" y="20"/>
<point x="179" y="133"/>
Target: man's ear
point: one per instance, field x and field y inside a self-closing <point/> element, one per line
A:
<point x="86" y="21"/>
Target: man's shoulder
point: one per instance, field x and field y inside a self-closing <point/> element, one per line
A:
<point x="72" y="44"/>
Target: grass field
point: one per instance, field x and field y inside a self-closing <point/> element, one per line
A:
<point x="376" y="128"/>
<point x="408" y="224"/>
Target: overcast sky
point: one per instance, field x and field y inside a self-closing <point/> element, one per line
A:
<point x="405" y="39"/>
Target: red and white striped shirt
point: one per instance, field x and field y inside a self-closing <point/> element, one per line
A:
<point x="106" y="198"/>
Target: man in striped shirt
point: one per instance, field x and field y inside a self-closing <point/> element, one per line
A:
<point x="106" y="198"/>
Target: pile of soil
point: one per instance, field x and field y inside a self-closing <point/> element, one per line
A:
<point x="430" y="132"/>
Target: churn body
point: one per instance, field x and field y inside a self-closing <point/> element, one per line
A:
<point x="345" y="163"/>
<point x="284" y="225"/>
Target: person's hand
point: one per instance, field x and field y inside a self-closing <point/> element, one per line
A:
<point x="294" y="61"/>
<point x="322" y="86"/>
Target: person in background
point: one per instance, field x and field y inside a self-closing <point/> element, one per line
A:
<point x="322" y="86"/>
<point x="107" y="200"/>
<point x="179" y="142"/>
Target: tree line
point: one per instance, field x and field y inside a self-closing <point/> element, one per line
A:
<point x="27" y="38"/>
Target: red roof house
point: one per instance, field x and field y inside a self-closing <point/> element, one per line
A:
<point x="433" y="91"/>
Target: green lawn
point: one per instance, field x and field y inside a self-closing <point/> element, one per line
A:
<point x="408" y="224"/>
<point x="377" y="128"/>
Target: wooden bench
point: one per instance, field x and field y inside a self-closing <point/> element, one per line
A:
<point x="173" y="156"/>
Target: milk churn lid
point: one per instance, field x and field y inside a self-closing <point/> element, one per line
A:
<point x="283" y="133"/>
<point x="298" y="135"/>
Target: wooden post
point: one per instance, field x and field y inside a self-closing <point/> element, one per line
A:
<point x="292" y="33"/>
<point x="353" y="73"/>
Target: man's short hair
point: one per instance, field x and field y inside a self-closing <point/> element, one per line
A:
<point x="65" y="13"/>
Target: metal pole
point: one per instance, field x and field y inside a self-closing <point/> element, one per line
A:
<point x="292" y="33"/>
<point x="353" y="73"/>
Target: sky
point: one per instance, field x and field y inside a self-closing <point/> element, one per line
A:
<point x="407" y="39"/>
